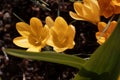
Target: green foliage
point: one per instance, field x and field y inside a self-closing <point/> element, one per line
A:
<point x="105" y="61"/>
<point x="49" y="56"/>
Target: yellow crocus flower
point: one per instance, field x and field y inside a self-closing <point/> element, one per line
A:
<point x="107" y="33"/>
<point x="109" y="7"/>
<point x="61" y="34"/>
<point x="88" y="10"/>
<point x="33" y="36"/>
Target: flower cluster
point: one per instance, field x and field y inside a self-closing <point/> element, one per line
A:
<point x="35" y="36"/>
<point x="59" y="34"/>
<point x="92" y="10"/>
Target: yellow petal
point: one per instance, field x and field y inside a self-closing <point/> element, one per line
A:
<point x="105" y="35"/>
<point x="50" y="41"/>
<point x="21" y="42"/>
<point x="40" y="40"/>
<point x="61" y="43"/>
<point x="59" y="49"/>
<point x="70" y="37"/>
<point x="106" y="8"/>
<point x="112" y="27"/>
<point x="101" y="26"/>
<point x="34" y="48"/>
<point x="60" y="25"/>
<point x="49" y="21"/>
<point x="45" y="33"/>
<point x="56" y="44"/>
<point x="78" y="8"/>
<point x="91" y="11"/>
<point x="118" y="77"/>
<point x="36" y="26"/>
<point x="23" y="28"/>
<point x="34" y="41"/>
<point x="103" y="4"/>
<point x="116" y="4"/>
<point x="117" y="10"/>
<point x="92" y="4"/>
<point x="100" y="39"/>
<point x="57" y="40"/>
<point x="75" y="16"/>
<point x="108" y="12"/>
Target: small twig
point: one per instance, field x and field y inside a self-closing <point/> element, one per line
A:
<point x="82" y="54"/>
<point x="86" y="58"/>
<point x="18" y="17"/>
<point x="58" y="11"/>
<point x="44" y="2"/>
<point x="5" y="54"/>
<point x="43" y="5"/>
<point x="73" y="21"/>
<point x="24" y="77"/>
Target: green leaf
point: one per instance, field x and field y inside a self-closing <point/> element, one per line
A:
<point x="49" y="56"/>
<point x="105" y="61"/>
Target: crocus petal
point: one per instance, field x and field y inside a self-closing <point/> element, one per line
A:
<point x="75" y="16"/>
<point x="60" y="25"/>
<point x="45" y="33"/>
<point x="108" y="12"/>
<point x="106" y="8"/>
<point x="91" y="9"/>
<point x="21" y="42"/>
<point x="117" y="10"/>
<point x="36" y="26"/>
<point x="23" y="28"/>
<point x="49" y="21"/>
<point x="103" y="4"/>
<point x="55" y="43"/>
<point x="78" y="8"/>
<point x="71" y="36"/>
<point x="100" y="39"/>
<point x="105" y="35"/>
<point x="59" y="49"/>
<point x="116" y="4"/>
<point x="57" y="40"/>
<point x="101" y="26"/>
<point x="34" y="48"/>
<point x="112" y="27"/>
<point x="50" y="41"/>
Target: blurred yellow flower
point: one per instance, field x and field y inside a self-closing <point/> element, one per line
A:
<point x="109" y="7"/>
<point x="118" y="77"/>
<point x="88" y="10"/>
<point x="107" y="33"/>
<point x="61" y="34"/>
<point x="33" y="36"/>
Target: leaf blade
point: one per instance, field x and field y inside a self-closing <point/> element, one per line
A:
<point x="49" y="56"/>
